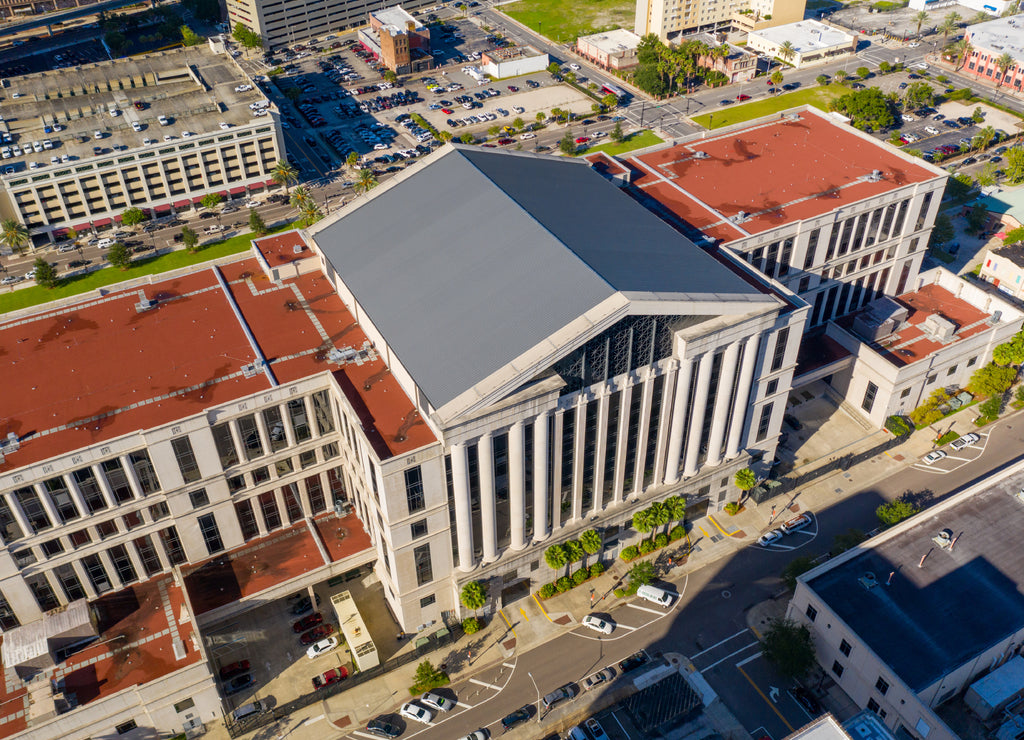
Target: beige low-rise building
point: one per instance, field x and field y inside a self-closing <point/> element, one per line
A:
<point x="157" y="132"/>
<point x="614" y="49"/>
<point x="809" y="42"/>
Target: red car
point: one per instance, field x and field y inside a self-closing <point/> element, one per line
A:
<point x="230" y="671"/>
<point x="743" y="96"/>
<point x="317" y="633"/>
<point x="447" y="111"/>
<point x="504" y="141"/>
<point x="328" y="677"/>
<point x="513" y="88"/>
<point x="310" y="620"/>
<point x="582" y="139"/>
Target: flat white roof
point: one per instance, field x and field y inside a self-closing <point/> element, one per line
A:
<point x="613" y="42"/>
<point x="1003" y="36"/>
<point x="806" y="36"/>
<point x="395" y="16"/>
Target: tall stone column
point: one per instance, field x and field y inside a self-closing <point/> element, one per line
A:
<point x="700" y="401"/>
<point x="463" y="509"/>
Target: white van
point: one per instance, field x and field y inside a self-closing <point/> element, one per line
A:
<point x="104" y="243"/>
<point x="655" y="595"/>
<point x="246" y="710"/>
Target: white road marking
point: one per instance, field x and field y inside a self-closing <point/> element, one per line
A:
<point x="620" y="725"/>
<point x="314" y="719"/>
<point x="357" y="733"/>
<point x="730" y="655"/>
<point x="463" y="705"/>
<point x="508" y="665"/>
<point x="720" y="642"/>
<point x="626" y="627"/>
<point x="748" y="660"/>
<point x="659" y="612"/>
<point x="488" y="685"/>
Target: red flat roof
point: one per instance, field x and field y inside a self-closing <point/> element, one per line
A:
<point x="98" y="369"/>
<point x="911" y="344"/>
<point x="265" y="562"/>
<point x="775" y="172"/>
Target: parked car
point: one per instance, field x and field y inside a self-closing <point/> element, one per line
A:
<point x="308" y="622"/>
<point x="324" y="646"/>
<point x="481" y="734"/>
<point x="239" y="683"/>
<point x="772" y="535"/>
<point x="934" y="456"/>
<point x="565" y="692"/>
<point x="304" y="605"/>
<point x="598" y="679"/>
<point x="317" y="633"/>
<point x="965" y="441"/>
<point x="596" y="731"/>
<point x="517" y="717"/>
<point x="416" y="713"/>
<point x="383" y="727"/>
<point x="328" y="677"/>
<point x="233" y="669"/>
<point x="635" y="660"/>
<point x="806" y="700"/>
<point x="436" y="701"/>
<point x="796" y="523"/>
<point x="597" y="624"/>
<point x="742" y="96"/>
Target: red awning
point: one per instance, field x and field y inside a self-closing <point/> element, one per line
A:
<point x="162" y="209"/>
<point x="102" y="222"/>
<point x="198" y="199"/>
<point x="60" y="232"/>
<point x="118" y="218"/>
<point x="256" y="186"/>
<point x="236" y="191"/>
<point x="182" y="203"/>
<point x="81" y="227"/>
<point x="268" y="183"/>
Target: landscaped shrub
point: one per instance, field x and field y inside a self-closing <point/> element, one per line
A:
<point x="563" y="584"/>
<point x="646" y="547"/>
<point x="618" y="593"/>
<point x="580" y="576"/>
<point x="596" y="569"/>
<point x="676" y="533"/>
<point x="547" y="590"/>
<point x="897" y="425"/>
<point x="630" y="553"/>
<point x="661" y="540"/>
<point x="732" y="508"/>
<point x="470" y="625"/>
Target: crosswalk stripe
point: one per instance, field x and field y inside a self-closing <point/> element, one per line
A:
<point x="645" y="609"/>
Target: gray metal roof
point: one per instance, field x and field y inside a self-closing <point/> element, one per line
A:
<point x="481" y="255"/>
<point x="934" y="618"/>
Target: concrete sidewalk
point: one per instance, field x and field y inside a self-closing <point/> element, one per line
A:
<point x="531" y="622"/>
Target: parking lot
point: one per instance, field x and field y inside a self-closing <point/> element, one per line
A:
<point x="274" y="640"/>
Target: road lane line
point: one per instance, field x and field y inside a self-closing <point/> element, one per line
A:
<point x="752" y="658"/>
<point x="478" y="682"/>
<point x="766" y="699"/>
<point x="645" y="609"/>
<point x="720" y="642"/>
<point x="730" y="655"/>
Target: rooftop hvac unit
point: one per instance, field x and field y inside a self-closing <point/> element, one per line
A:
<point x="939" y="327"/>
<point x="868" y="580"/>
<point x="701" y="155"/>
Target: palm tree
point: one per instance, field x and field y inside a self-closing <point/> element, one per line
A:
<point x="284" y="174"/>
<point x="14" y="234"/>
<point x="787" y="51"/>
<point x="963" y="50"/>
<point x="984" y="137"/>
<point x="311" y="212"/>
<point x="948" y="26"/>
<point x="366" y="181"/>
<point x="300" y="196"/>
<point x="1003" y="64"/>
<point x="920" y="19"/>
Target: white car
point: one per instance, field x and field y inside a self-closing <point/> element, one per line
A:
<point x="574" y="67"/>
<point x="908" y="118"/>
<point x="325" y="645"/>
<point x="224" y="125"/>
<point x="528" y="136"/>
<point x="476" y="735"/>
<point x="965" y="441"/>
<point x="252" y="204"/>
<point x="136" y="126"/>
<point x="436" y="701"/>
<point x="596" y="731"/>
<point x="416" y="713"/>
<point x="796" y="523"/>
<point x="934" y="456"/>
<point x="597" y="624"/>
<point x="772" y="535"/>
<point x="931" y="130"/>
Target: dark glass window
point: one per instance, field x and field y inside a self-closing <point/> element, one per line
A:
<point x="117" y="480"/>
<point x="414" y="490"/>
<point x="198" y="498"/>
<point x="882" y="686"/>
<point x="299" y="420"/>
<point x="9" y="529"/>
<point x="225" y="445"/>
<point x="148" y="554"/>
<point x="144" y="471"/>
<point x="172" y="545"/>
<point x="33" y="509"/>
<point x="845" y="648"/>
<point x="765" y="421"/>
<point x="869" y="397"/>
<point x="275" y="428"/>
<point x="837" y="668"/>
<point x="292" y="506"/>
<point x="307" y="459"/>
<point x="418" y="529"/>
<point x="424" y="569"/>
<point x="779" y="355"/>
<point x="250" y="434"/>
<point x="123" y="564"/>
<point x="43" y="592"/>
<point x="427" y="601"/>
<point x="315" y="492"/>
<point x="246" y="520"/>
<point x="97" y="573"/>
<point x="79" y="538"/>
<point x="159" y="511"/>
<point x="236" y="483"/>
<point x="107" y="528"/>
<point x="811" y="612"/>
<point x="186" y="458"/>
<point x="211" y="534"/>
<point x="69" y="583"/>
<point x="322" y="412"/>
<point x="268" y="507"/>
<point x="8" y="620"/>
<point x="86" y="481"/>
<point x="52" y="547"/>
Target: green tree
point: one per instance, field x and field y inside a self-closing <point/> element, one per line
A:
<point x="643" y="521"/>
<point x="45" y="275"/>
<point x="610" y="100"/>
<point x="991" y="380"/>
<point x="787" y="51"/>
<point x="13" y="234"/>
<point x="987" y="177"/>
<point x="745" y="479"/>
<point x="190" y="37"/>
<point x="676" y="507"/>
<point x="390" y="76"/>
<point x="895" y="511"/>
<point x="540" y="116"/>
<point x="847" y="540"/>
<point x="1013" y="236"/>
<point x="553" y="68"/>
<point x="310" y="212"/>
<point x="660" y="514"/>
<point x="617" y="134"/>
<point x="978" y="116"/>
<point x="518" y="124"/>
<point x="641" y="574"/>
<point x="822" y="80"/>
<point x="863" y="72"/>
<point x="869" y="109"/>
<point x="71" y="235"/>
<point x="984" y="137"/>
<point x="567" y="145"/>
<point x="211" y="200"/>
<point x="473" y="595"/>
<point x="796" y="568"/>
<point x="366" y="181"/>
<point x="284" y="174"/>
<point x="776" y="78"/>
<point x="591" y="541"/>
<point x="840" y="76"/>
<point x="189" y="238"/>
<point x="116" y="40"/>
<point x="976" y="218"/>
<point x="920" y="19"/>
<point x="649" y="79"/>
<point x="352" y="159"/>
<point x="918" y="95"/>
<point x="1014" y="166"/>
<point x="133" y="217"/>
<point x="428" y="677"/>
<point x="119" y="256"/>
<point x="573" y="551"/>
<point x="948" y="26"/>
<point x="789" y="647"/>
<point x="247" y="38"/>
<point x="1004" y="63"/>
<point x="570" y="77"/>
<point x="556" y="557"/>
<point x="256" y="223"/>
<point x="300" y="196"/>
<point x="467" y="138"/>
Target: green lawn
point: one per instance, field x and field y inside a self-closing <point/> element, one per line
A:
<point x="566" y="20"/>
<point x="638" y="140"/>
<point x="37" y="295"/>
<point x="728" y="115"/>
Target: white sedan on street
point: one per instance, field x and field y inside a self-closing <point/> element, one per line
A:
<point x="597" y="624"/>
<point x="319" y="648"/>
<point x="416" y="712"/>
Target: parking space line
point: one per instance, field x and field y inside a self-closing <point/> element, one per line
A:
<point x="357" y="733"/>
<point x="748" y="660"/>
<point x="645" y="609"/>
<point x="509" y="665"/>
<point x="730" y="655"/>
<point x="620" y="725"/>
<point x="720" y="642"/>
<point x="488" y="685"/>
<point x="626" y="627"/>
<point x="766" y="699"/>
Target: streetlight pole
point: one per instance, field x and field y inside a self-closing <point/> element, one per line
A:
<point x="528" y="673"/>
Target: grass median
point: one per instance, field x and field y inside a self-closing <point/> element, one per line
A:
<point x="818" y="96"/>
<point x="566" y="20"/>
<point x="637" y="140"/>
<point x="153" y="265"/>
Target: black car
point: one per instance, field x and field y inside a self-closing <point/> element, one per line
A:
<point x="239" y="683"/>
<point x="304" y="605"/>
<point x="383" y="727"/>
<point x="633" y="661"/>
<point x="806" y="700"/>
<point x="517" y="717"/>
